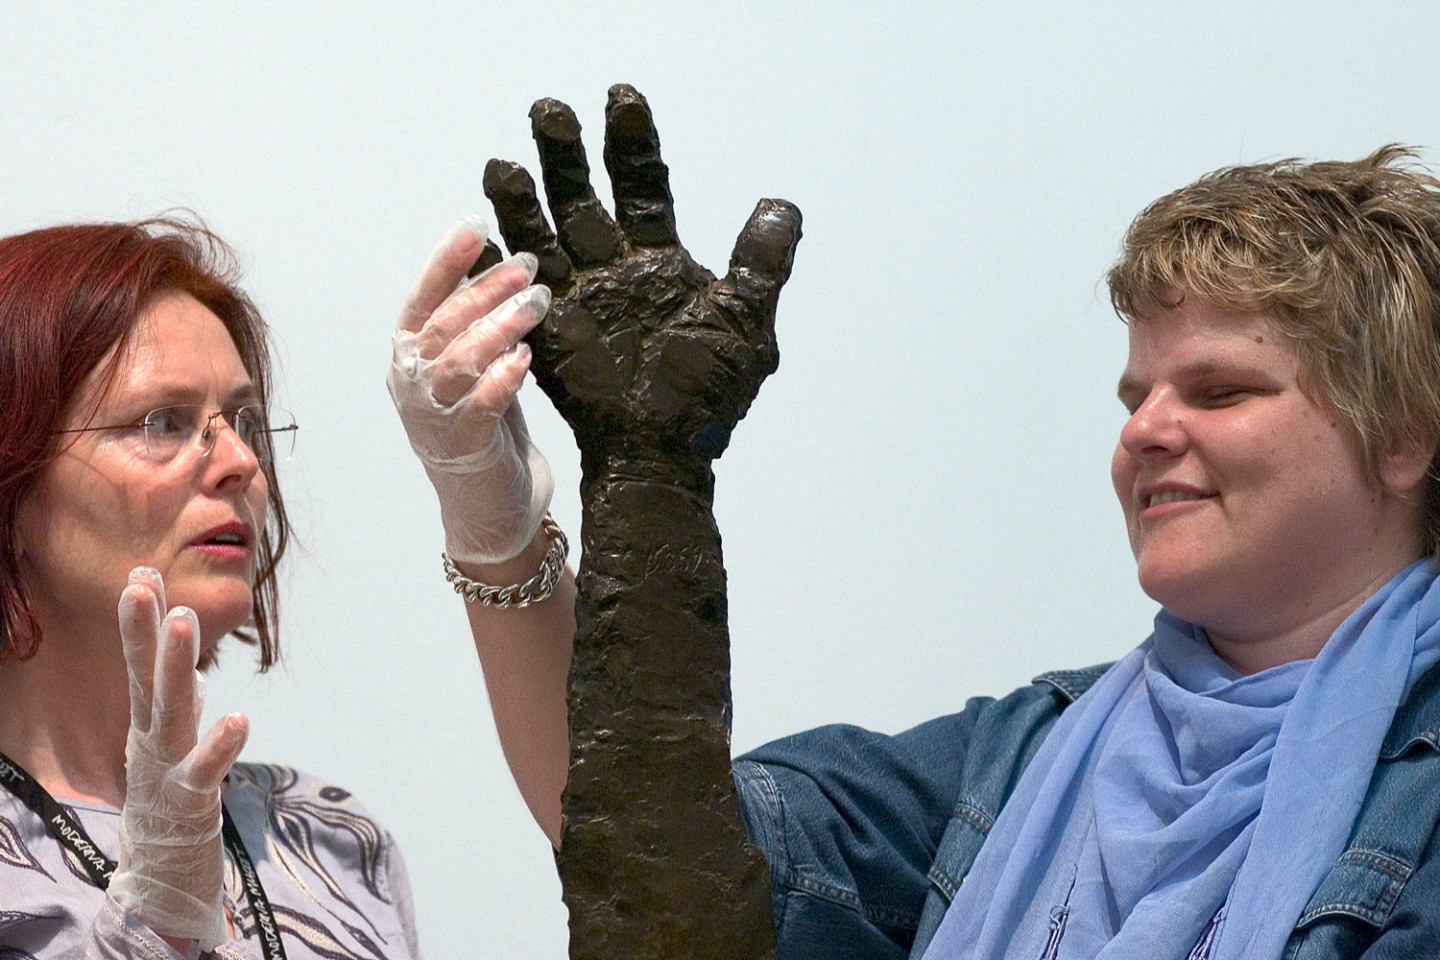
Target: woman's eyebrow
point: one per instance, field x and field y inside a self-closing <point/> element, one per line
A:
<point x="1197" y="370"/>
<point x="164" y="394"/>
<point x="169" y="394"/>
<point x="248" y="393"/>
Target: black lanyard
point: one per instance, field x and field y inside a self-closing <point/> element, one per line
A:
<point x="265" y="923"/>
<point x="71" y="835"/>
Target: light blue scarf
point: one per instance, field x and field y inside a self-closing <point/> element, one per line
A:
<point x="1175" y="787"/>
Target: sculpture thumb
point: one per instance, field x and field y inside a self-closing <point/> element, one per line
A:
<point x="763" y="255"/>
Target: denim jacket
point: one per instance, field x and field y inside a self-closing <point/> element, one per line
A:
<point x="869" y="836"/>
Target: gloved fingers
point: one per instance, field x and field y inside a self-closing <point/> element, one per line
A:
<point x="489" y="257"/>
<point x="511" y="192"/>
<point x="585" y="229"/>
<point x="639" y="178"/>
<point x="474" y="299"/>
<point x="497" y="389"/>
<point x="216" y="752"/>
<point x="141" y="604"/>
<point x="761" y="261"/>
<point x="172" y="713"/>
<point x="466" y="363"/>
<point x="452" y="256"/>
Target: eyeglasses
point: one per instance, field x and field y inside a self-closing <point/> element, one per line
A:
<point x="269" y="432"/>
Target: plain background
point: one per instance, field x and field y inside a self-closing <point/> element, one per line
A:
<point x="917" y="509"/>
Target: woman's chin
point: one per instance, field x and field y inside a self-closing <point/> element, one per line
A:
<point x="1182" y="589"/>
<point x="221" y="609"/>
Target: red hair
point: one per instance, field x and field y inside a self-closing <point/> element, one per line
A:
<point x="68" y="296"/>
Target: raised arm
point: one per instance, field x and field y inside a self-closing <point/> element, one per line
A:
<point x="652" y="360"/>
<point x="458" y="362"/>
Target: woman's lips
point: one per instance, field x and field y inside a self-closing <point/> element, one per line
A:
<point x="222" y="551"/>
<point x="1161" y="503"/>
<point x="227" y="541"/>
<point x="1174" y="496"/>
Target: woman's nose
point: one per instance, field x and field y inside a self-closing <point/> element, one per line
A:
<point x="1156" y="428"/>
<point x="226" y="454"/>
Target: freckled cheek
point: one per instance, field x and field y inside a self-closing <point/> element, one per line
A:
<point x="157" y="511"/>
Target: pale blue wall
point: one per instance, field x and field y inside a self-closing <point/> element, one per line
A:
<point x="918" y="507"/>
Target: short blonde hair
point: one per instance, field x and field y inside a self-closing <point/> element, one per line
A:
<point x="1343" y="257"/>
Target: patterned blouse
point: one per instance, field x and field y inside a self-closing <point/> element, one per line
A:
<point x="335" y="879"/>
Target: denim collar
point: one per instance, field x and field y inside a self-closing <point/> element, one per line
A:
<point x="1072" y="683"/>
<point x="1416" y="724"/>
<point x="1417" y="719"/>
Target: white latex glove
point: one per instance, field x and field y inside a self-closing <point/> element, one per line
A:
<point x="457" y="365"/>
<point x="172" y="860"/>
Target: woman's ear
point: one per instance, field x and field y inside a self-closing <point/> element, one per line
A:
<point x="1405" y="468"/>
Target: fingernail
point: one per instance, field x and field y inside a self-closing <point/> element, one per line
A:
<point x="237" y="728"/>
<point x="525" y="261"/>
<point x="186" y="614"/>
<point x="471" y="226"/>
<point x="477" y="225"/>
<point x="147" y="574"/>
<point x="191" y="618"/>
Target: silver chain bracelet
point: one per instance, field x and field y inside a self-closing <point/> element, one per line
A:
<point x="537" y="588"/>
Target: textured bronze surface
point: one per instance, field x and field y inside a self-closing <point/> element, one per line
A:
<point x="652" y="361"/>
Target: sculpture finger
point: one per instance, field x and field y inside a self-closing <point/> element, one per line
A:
<point x="640" y="179"/>
<point x="489" y="257"/>
<point x="761" y="261"/>
<point x="586" y="231"/>
<point x="511" y="191"/>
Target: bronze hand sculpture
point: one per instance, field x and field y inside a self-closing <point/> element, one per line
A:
<point x="652" y="361"/>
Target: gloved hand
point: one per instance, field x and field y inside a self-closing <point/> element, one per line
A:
<point x="457" y="365"/>
<point x="172" y="859"/>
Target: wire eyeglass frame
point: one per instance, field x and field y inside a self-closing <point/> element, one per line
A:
<point x="253" y="424"/>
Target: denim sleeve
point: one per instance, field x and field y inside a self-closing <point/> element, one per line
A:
<point x="850" y="821"/>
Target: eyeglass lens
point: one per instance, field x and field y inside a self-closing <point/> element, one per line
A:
<point x="269" y="432"/>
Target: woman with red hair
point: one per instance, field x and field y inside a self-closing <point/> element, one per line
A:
<point x="137" y="464"/>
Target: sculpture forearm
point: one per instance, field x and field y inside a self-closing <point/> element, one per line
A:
<point x="652" y="360"/>
<point x="652" y="827"/>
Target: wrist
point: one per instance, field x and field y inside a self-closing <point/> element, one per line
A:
<point x="643" y="464"/>
<point x="520" y="593"/>
<point x="492" y="517"/>
<point x="515" y="569"/>
<point x="490" y="525"/>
